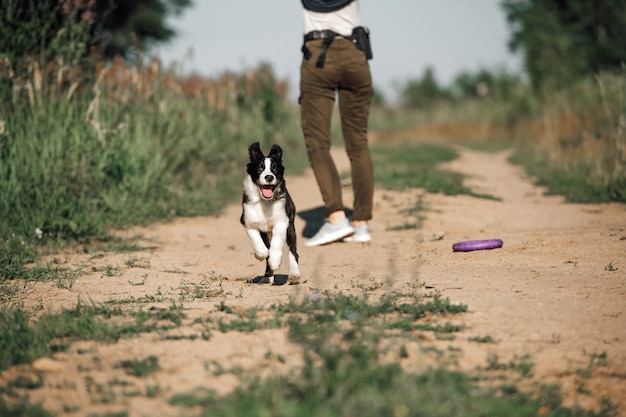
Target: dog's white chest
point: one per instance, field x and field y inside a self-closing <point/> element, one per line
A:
<point x="264" y="215"/>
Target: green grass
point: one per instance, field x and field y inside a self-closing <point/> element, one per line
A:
<point x="578" y="182"/>
<point x="341" y="337"/>
<point x="352" y="346"/>
<point x="346" y="384"/>
<point x="21" y="342"/>
<point x="414" y="165"/>
<point x="23" y="408"/>
<point x="140" y="367"/>
<point x="70" y="175"/>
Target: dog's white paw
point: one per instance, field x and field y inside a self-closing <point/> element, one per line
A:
<point x="262" y="254"/>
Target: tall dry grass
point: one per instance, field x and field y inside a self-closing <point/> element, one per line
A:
<point x="104" y="145"/>
<point x="569" y="138"/>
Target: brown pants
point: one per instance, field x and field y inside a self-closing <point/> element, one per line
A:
<point x="345" y="70"/>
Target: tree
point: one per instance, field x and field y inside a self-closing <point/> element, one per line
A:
<point x="140" y="24"/>
<point x="497" y="83"/>
<point x="563" y="40"/>
<point x="422" y="93"/>
<point x="47" y="28"/>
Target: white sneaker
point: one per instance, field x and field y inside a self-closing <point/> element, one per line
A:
<point x="331" y="232"/>
<point x="361" y="234"/>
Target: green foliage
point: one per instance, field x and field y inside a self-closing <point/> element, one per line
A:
<point x="577" y="182"/>
<point x="423" y="92"/>
<point x="563" y="41"/>
<point x="58" y="177"/>
<point x="343" y="374"/>
<point x="426" y="94"/>
<point x="21" y="342"/>
<point x="413" y="165"/>
<point x="348" y="344"/>
<point x="72" y="170"/>
<point x="24" y="27"/>
<point x="573" y="139"/>
<point x="64" y="30"/>
<point x="140" y="367"/>
<point x="349" y="383"/>
<point x="498" y="84"/>
<point x="136" y="24"/>
<point x="22" y="409"/>
<point x="378" y="98"/>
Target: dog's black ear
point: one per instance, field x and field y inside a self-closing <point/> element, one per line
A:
<point x="276" y="152"/>
<point x="254" y="151"/>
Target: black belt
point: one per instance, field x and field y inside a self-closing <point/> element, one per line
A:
<point x="327" y="35"/>
<point x="320" y="34"/>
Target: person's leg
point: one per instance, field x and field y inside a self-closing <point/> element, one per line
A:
<point x="355" y="96"/>
<point x="317" y="98"/>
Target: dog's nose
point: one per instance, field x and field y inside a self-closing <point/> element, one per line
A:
<point x="269" y="178"/>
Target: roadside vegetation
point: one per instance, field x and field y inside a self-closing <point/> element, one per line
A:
<point x="353" y="347"/>
<point x="91" y="142"/>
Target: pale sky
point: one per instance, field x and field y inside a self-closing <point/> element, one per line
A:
<point x="407" y="36"/>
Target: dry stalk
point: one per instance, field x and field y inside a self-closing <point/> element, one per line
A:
<point x="31" y="94"/>
<point x="92" y="116"/>
<point x="618" y="127"/>
<point x="37" y="81"/>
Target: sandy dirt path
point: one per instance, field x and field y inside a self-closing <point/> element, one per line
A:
<point x="554" y="294"/>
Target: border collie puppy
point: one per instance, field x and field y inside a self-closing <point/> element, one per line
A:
<point x="268" y="211"/>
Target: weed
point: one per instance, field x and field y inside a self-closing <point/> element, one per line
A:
<point x="404" y="226"/>
<point x="139" y="283"/>
<point x="153" y="391"/>
<point x="180" y="337"/>
<point x="372" y="286"/>
<point x="112" y="414"/>
<point x="140" y="367"/>
<point x="109" y="271"/>
<point x="483" y="339"/>
<point x="99" y="393"/>
<point x="343" y="374"/>
<point x="22" y="408"/>
<point x="610" y="267"/>
<point x="23" y="343"/>
<point x="176" y="271"/>
<point x="521" y="365"/>
<point x="68" y="279"/>
<point x="584" y="374"/>
<point x="193" y="291"/>
<point x="27" y="382"/>
<point x="8" y="291"/>
<point x="135" y="262"/>
<point x="198" y="398"/>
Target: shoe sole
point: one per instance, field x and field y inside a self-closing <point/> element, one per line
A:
<point x="357" y="239"/>
<point x="333" y="237"/>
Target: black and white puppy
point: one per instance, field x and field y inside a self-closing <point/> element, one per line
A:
<point x="268" y="211"/>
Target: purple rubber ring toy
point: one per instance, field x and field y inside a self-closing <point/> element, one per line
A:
<point x="471" y="245"/>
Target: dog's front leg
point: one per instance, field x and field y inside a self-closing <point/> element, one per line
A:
<point x="261" y="251"/>
<point x="276" y="245"/>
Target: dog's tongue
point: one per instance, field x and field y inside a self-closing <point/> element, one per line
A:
<point x="267" y="191"/>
